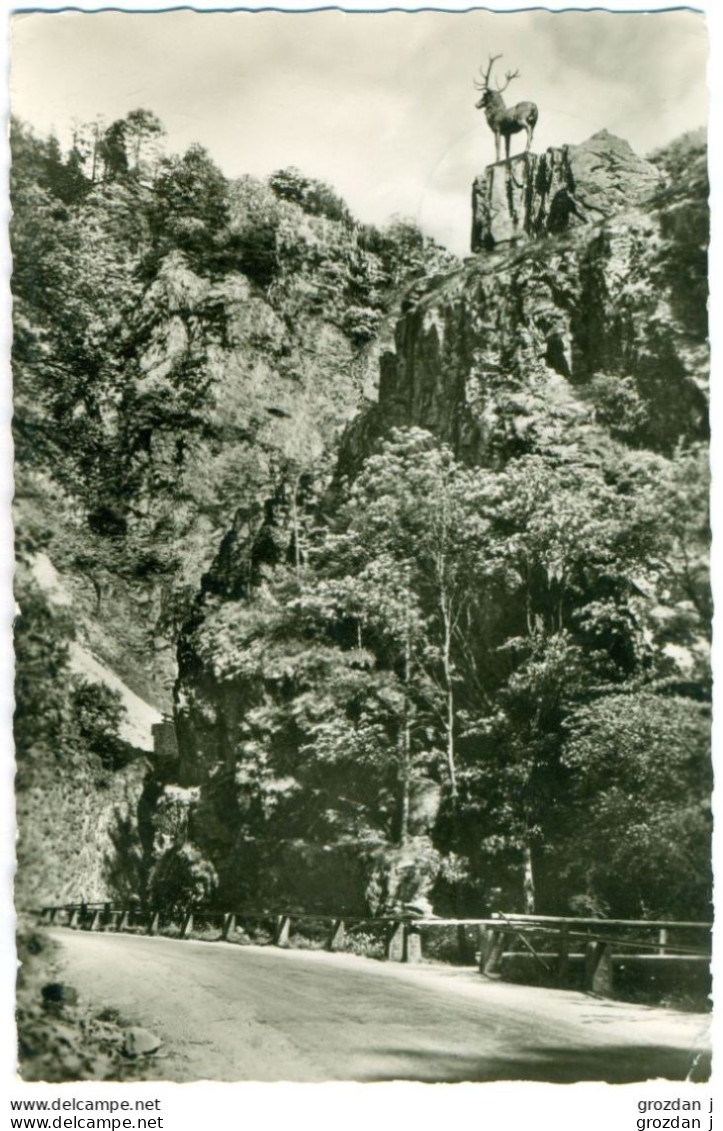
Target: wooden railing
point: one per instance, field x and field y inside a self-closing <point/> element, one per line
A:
<point x="553" y="943"/>
<point x="549" y="943"/>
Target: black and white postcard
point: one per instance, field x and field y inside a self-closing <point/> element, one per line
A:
<point x="360" y="394"/>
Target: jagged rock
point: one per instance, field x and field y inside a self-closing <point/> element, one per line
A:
<point x="606" y="175"/>
<point x="532" y="195"/>
<point x="607" y="303"/>
<point x="140" y="1042"/>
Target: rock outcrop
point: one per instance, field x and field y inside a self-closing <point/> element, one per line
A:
<point x="594" y="315"/>
<point x="533" y="195"/>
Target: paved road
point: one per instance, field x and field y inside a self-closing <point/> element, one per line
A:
<point x="228" y="1012"/>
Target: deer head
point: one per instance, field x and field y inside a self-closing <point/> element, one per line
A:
<point x="488" y="94"/>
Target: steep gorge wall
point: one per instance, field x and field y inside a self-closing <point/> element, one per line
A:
<point x="594" y="322"/>
<point x="229" y="386"/>
<point x="590" y="306"/>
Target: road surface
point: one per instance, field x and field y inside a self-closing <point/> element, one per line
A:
<point x="227" y="1012"/>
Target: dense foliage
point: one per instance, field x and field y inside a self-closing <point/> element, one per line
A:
<point x="467" y="686"/>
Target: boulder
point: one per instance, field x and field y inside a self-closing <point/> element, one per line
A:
<point x="140" y="1042"/>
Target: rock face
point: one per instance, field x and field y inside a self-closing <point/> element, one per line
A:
<point x="233" y="385"/>
<point x="76" y="838"/>
<point x="532" y="195"/>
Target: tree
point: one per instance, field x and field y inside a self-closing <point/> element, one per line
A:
<point x="144" y="133"/>
<point x="314" y="757"/>
<point x="191" y="206"/>
<point x="583" y="554"/>
<point x="113" y="152"/>
<point x="97" y="715"/>
<point x="313" y="196"/>
<point x="417" y="520"/>
<point x="640" y="772"/>
<point x="42" y="676"/>
<point x="181" y="880"/>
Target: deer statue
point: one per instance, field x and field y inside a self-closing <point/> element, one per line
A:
<point x="503" y="121"/>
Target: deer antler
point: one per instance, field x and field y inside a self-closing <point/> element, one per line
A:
<point x="484" y="85"/>
<point x="509" y="76"/>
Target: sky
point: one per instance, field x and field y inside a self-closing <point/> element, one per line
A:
<point x="379" y="105"/>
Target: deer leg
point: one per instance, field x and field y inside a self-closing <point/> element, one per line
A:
<point x="507" y="147"/>
<point x="497" y="146"/>
<point x="529" y="138"/>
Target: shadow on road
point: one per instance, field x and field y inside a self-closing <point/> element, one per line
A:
<point x="552" y="1064"/>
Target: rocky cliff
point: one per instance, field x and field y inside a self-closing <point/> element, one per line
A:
<point x="228" y="353"/>
<point x="578" y="329"/>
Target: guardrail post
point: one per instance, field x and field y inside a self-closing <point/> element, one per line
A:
<point x="490" y="967"/>
<point x="283" y="929"/>
<point x="123" y="920"/>
<point x="95" y="920"/>
<point x="337" y="935"/>
<point x="186" y="924"/>
<point x="153" y="925"/>
<point x="412" y="943"/>
<point x="563" y="956"/>
<point x="483" y="946"/>
<point x="662" y="940"/>
<point x="395" y="942"/>
<point x="51" y="916"/>
<point x="599" y="968"/>
<point x="229" y="926"/>
<point x="74" y="915"/>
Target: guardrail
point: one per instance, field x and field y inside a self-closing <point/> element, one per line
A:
<point x="552" y="944"/>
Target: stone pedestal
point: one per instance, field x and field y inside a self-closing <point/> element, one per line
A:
<point x="501" y="200"/>
<point x="283" y="930"/>
<point x="337" y="935"/>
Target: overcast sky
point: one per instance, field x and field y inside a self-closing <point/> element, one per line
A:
<point x="379" y="105"/>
